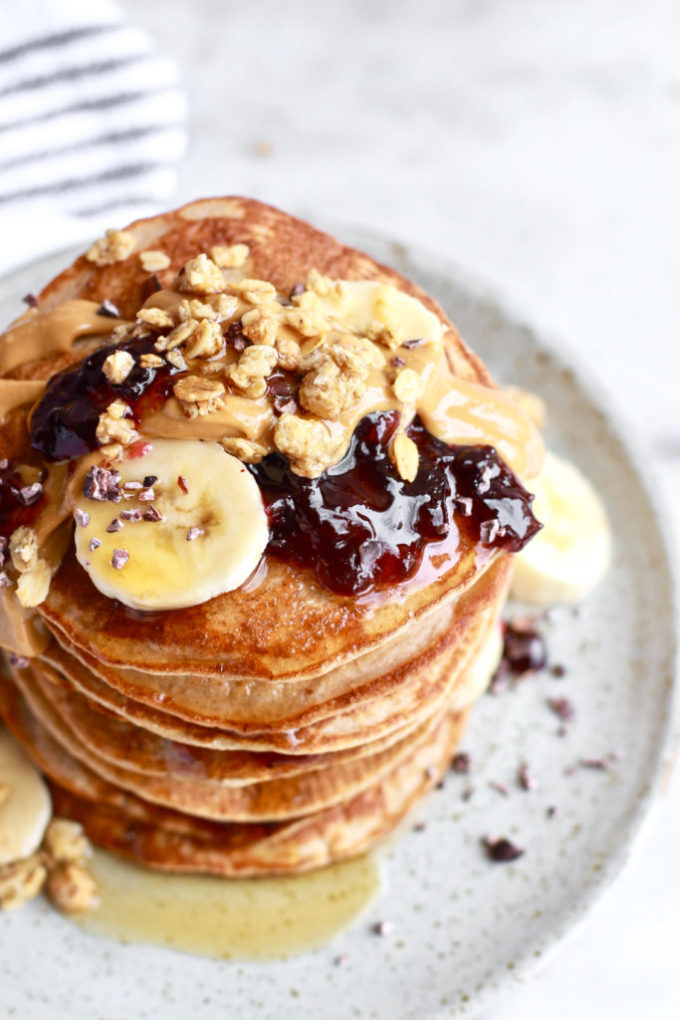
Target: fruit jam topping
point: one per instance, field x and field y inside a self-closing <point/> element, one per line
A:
<point x="64" y="424"/>
<point x="19" y="503"/>
<point x="359" y="525"/>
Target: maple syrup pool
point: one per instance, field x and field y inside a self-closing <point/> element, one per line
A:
<point x="243" y="919"/>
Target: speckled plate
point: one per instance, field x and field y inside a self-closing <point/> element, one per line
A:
<point x="463" y="929"/>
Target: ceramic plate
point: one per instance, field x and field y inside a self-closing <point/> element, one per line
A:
<point x="463" y="928"/>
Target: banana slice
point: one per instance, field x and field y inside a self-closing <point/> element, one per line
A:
<point x="208" y="536"/>
<point x="361" y="303"/>
<point x="25" y="805"/>
<point x="571" y="555"/>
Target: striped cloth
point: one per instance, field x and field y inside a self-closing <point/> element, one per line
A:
<point x="91" y="124"/>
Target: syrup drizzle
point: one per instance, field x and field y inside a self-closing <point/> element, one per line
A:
<point x="241" y="919"/>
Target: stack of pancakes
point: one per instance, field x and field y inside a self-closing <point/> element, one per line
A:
<point x="278" y="727"/>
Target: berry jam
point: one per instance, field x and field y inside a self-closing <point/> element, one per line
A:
<point x="64" y="424"/>
<point x="359" y="524"/>
<point x="15" y="510"/>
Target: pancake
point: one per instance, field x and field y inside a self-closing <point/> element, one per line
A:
<point x="273" y="798"/>
<point x="113" y="738"/>
<point x="343" y="831"/>
<point x="167" y="840"/>
<point x="174" y="701"/>
<point x="286" y="629"/>
<point x="220" y="787"/>
<point x="291" y="721"/>
<point x="289" y="626"/>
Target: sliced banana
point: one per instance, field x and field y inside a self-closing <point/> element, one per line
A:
<point x="211" y="535"/>
<point x="362" y="303"/>
<point x="25" y="805"/>
<point x="533" y="406"/>
<point x="572" y="553"/>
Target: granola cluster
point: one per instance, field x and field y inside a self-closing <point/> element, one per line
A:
<point x="21" y="565"/>
<point x="33" y="572"/>
<point x="238" y="337"/>
<point x="59" y="867"/>
<point x="115" y="246"/>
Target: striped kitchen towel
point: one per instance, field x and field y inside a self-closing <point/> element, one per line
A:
<point x="91" y="124"/>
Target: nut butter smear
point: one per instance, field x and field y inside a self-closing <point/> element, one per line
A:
<point x="455" y="410"/>
<point x="36" y="335"/>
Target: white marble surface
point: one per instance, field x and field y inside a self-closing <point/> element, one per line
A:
<point x="538" y="143"/>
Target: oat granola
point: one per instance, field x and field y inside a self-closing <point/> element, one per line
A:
<point x="117" y="366"/>
<point x="246" y="450"/>
<point x="230" y="256"/>
<point x="115" y="427"/>
<point x="72" y="889"/>
<point x="206" y="340"/>
<point x="198" y="395"/>
<point x="65" y="842"/>
<point x="23" y="549"/>
<point x="21" y="881"/>
<point x="202" y="276"/>
<point x="403" y="453"/>
<point x="34" y="585"/>
<point x="407" y="386"/>
<point x="157" y="318"/>
<point x="306" y="442"/>
<point x="115" y="246"/>
<point x="253" y="366"/>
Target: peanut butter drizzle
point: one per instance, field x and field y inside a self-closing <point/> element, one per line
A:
<point x="17" y="392"/>
<point x="454" y="410"/>
<point x="58" y="501"/>
<point x="239" y="416"/>
<point x="21" y="630"/>
<point x="464" y="413"/>
<point x="37" y="334"/>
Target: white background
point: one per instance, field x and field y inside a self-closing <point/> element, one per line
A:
<point x="538" y="143"/>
